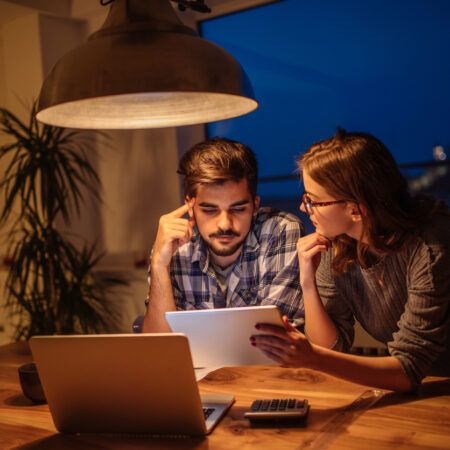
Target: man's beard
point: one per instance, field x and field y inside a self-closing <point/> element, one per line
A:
<point x="225" y="251"/>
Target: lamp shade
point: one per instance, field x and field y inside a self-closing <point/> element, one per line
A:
<point x="144" y="69"/>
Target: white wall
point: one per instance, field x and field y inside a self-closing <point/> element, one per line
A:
<point x="140" y="184"/>
<point x="137" y="168"/>
<point x="22" y="62"/>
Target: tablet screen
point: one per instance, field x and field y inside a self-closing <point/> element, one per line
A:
<point x="221" y="337"/>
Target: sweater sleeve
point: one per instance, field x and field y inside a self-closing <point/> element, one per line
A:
<point x="424" y="325"/>
<point x="335" y="305"/>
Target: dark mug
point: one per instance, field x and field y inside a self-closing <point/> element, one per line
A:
<point x="30" y="383"/>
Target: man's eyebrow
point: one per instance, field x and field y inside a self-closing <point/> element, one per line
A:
<point x="240" y="203"/>
<point x="212" y="205"/>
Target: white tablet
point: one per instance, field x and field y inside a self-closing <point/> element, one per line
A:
<point x="221" y="337"/>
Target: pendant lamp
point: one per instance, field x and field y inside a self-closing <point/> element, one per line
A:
<point x="144" y="69"/>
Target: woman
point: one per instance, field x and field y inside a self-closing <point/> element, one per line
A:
<point x="377" y="255"/>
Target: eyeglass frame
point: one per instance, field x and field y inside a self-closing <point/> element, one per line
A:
<point x="309" y="205"/>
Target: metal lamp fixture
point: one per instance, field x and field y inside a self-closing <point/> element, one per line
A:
<point x="144" y="69"/>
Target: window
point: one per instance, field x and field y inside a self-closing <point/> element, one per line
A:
<point x="376" y="66"/>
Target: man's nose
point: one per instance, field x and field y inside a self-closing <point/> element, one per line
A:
<point x="224" y="221"/>
<point x="302" y="207"/>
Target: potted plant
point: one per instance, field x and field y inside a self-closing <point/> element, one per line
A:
<point x="50" y="286"/>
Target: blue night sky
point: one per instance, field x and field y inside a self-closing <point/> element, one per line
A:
<point x="380" y="66"/>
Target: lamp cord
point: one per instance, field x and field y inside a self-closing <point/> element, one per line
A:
<point x="195" y="5"/>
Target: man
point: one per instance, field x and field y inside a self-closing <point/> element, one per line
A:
<point x="228" y="252"/>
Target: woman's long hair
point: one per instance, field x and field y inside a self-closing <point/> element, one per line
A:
<point x="358" y="168"/>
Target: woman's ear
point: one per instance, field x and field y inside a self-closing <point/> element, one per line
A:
<point x="357" y="211"/>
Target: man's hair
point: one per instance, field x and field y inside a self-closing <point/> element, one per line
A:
<point x="358" y="168"/>
<point x="216" y="161"/>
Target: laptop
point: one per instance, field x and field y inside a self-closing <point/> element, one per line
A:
<point x="125" y="383"/>
<point x="221" y="337"/>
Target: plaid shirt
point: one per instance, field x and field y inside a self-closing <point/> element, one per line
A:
<point x="265" y="273"/>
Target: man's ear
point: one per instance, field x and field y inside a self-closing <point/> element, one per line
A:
<point x="190" y="201"/>
<point x="256" y="202"/>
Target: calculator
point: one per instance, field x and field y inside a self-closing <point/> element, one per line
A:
<point x="288" y="411"/>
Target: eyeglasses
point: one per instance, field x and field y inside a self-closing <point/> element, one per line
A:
<point x="309" y="204"/>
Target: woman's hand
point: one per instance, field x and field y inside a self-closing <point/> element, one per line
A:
<point x="286" y="346"/>
<point x="290" y="348"/>
<point x="309" y="249"/>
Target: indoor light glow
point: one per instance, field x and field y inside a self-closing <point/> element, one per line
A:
<point x="147" y="110"/>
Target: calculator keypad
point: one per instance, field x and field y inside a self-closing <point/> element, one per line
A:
<point x="277" y="410"/>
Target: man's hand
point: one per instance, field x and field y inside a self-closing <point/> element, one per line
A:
<point x="173" y="232"/>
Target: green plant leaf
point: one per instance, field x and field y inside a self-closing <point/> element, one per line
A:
<point x="51" y="286"/>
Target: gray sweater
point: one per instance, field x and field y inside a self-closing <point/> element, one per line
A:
<point x="409" y="310"/>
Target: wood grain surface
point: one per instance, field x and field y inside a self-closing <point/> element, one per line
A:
<point x="342" y="416"/>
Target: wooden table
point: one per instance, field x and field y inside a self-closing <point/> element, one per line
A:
<point x="343" y="415"/>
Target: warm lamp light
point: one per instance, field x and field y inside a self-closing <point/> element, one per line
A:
<point x="144" y="69"/>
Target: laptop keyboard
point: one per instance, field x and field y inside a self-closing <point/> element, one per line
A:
<point x="207" y="412"/>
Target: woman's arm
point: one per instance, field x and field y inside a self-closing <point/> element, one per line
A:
<point x="290" y="348"/>
<point x="383" y="372"/>
<point x="318" y="325"/>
